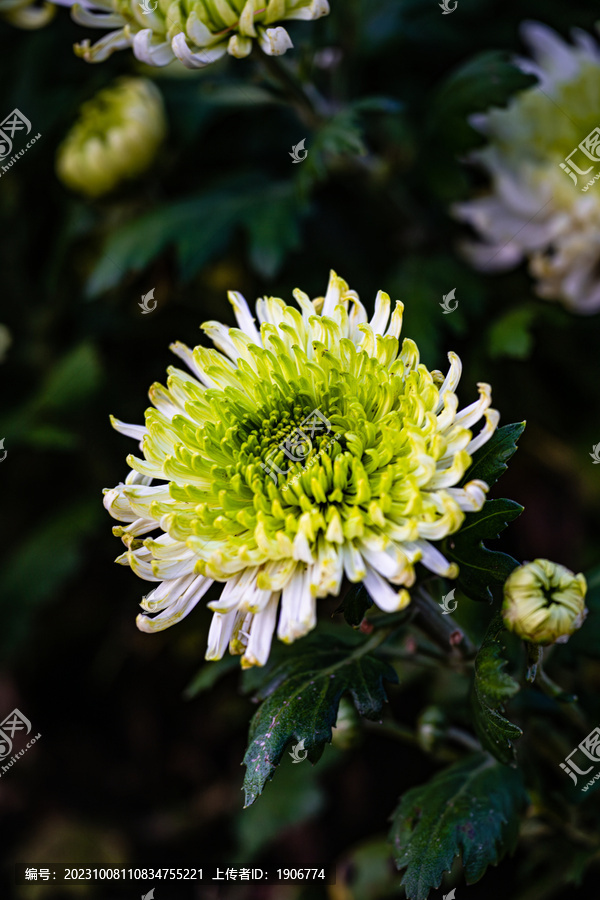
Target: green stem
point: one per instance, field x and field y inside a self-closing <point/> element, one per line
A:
<point x="441" y="628"/>
<point x="463" y="737"/>
<point x="392" y="729"/>
<point x="378" y="638"/>
<point x="293" y="89"/>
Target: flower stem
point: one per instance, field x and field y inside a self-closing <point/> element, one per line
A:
<point x="293" y="89"/>
<point x="441" y="628"/>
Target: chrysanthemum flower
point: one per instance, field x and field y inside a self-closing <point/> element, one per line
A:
<point x="542" y="207"/>
<point x="294" y="455"/>
<point x="24" y="14"/>
<point x="115" y="138"/>
<point x="544" y="602"/>
<point x="197" y="32"/>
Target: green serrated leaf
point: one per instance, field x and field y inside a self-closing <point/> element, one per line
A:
<point x="471" y="808"/>
<point x="480" y="567"/>
<point x="492" y="687"/>
<point x="490" y="461"/>
<point x="200" y="227"/>
<point x="301" y="700"/>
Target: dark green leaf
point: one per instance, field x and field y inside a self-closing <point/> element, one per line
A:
<point x="355" y="604"/>
<point x="511" y="334"/>
<point x="492" y="687"/>
<point x="295" y="798"/>
<point x="273" y="230"/>
<point x="490" y="79"/>
<point x="50" y="555"/>
<point x="200" y="227"/>
<point x="72" y="380"/>
<point x="301" y="700"/>
<point x="340" y="136"/>
<point x="378" y="105"/>
<point x="209" y="674"/>
<point x="480" y="567"/>
<point x="490" y="461"/>
<point x="471" y="808"/>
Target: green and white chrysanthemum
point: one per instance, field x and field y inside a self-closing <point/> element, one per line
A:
<point x="541" y="209"/>
<point x="233" y="498"/>
<point x="197" y="32"/>
<point x="26" y="14"/>
<point x="115" y="138"/>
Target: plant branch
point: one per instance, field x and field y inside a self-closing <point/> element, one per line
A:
<point x="441" y="628"/>
<point x="292" y="88"/>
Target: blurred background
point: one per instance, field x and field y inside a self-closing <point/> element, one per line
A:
<point x="134" y="767"/>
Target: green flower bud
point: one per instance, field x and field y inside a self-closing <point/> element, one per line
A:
<point x="544" y="602"/>
<point x="431" y="727"/>
<point x="24" y="14"/>
<point x="115" y="138"/>
<point x="197" y="32"/>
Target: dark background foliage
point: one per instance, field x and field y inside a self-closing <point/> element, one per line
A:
<point x="128" y="770"/>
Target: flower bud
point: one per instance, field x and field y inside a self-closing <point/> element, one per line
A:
<point x="115" y="138"/>
<point x="431" y="727"/>
<point x="346" y="732"/>
<point x="544" y="602"/>
<point x="26" y="14"/>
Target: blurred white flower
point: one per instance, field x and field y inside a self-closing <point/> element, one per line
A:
<point x="536" y="210"/>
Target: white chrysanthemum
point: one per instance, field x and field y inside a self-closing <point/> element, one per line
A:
<point x="537" y="210"/>
<point x="294" y="455"/>
<point x="197" y="32"/>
